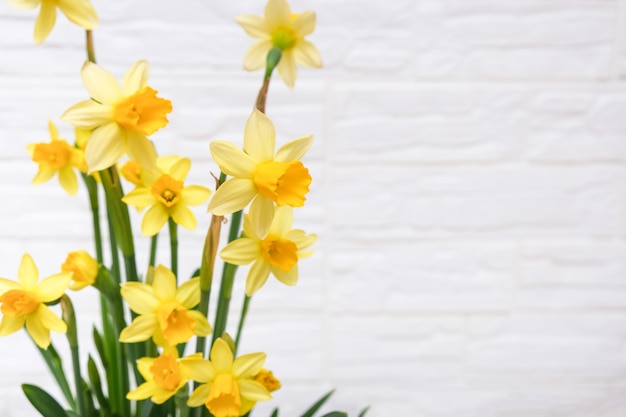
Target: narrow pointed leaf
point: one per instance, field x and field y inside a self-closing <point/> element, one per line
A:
<point x="55" y="364"/>
<point x="43" y="402"/>
<point x="96" y="387"/>
<point x="336" y="414"/>
<point x="311" y="411"/>
<point x="364" y="411"/>
<point x="275" y="412"/>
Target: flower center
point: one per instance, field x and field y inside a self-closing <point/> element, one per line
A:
<point x="283" y="38"/>
<point x="286" y="183"/>
<point x="223" y="399"/>
<point x="142" y="112"/>
<point x="167" y="190"/>
<point x="281" y="253"/>
<point x="165" y="372"/>
<point x="54" y="155"/>
<point x="176" y="325"/>
<point x="17" y="303"/>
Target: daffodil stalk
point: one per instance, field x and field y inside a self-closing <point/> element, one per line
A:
<point x="173" y="245"/>
<point x="72" y="336"/>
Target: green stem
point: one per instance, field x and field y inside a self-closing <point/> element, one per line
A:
<point x="92" y="189"/>
<point x="173" y="229"/>
<point x="242" y="319"/>
<point x="153" y="249"/>
<point x="72" y="337"/>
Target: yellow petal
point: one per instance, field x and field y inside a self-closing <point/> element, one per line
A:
<point x="197" y="368"/>
<point x="53" y="287"/>
<point x="288" y="278"/>
<point x="50" y="320"/>
<point x="43" y="175"/>
<point x="259" y="137"/>
<point x="283" y="220"/>
<point x="105" y="147"/>
<point x="287" y="68"/>
<point x="88" y="114"/>
<point x="54" y="133"/>
<point x="221" y="356"/>
<point x="24" y="4"/>
<point x="81" y="13"/>
<point x="11" y="324"/>
<point x="161" y="395"/>
<point x="141" y="150"/>
<point x="136" y="77"/>
<point x="202" y="327"/>
<point x="199" y="395"/>
<point x="248" y="229"/>
<point x="307" y="55"/>
<point x="247" y="366"/>
<point x="232" y="196"/>
<point x="184" y="217"/>
<point x="140" y="329"/>
<point x="7" y="284"/>
<point x="241" y="251"/>
<point x="194" y="195"/>
<point x="143" y="391"/>
<point x="304" y="24"/>
<point x="154" y="220"/>
<point x="257" y="276"/>
<point x="261" y="216"/>
<point x="294" y="150"/>
<point x="67" y="179"/>
<point x="188" y="293"/>
<point x="180" y="169"/>
<point x="256" y="55"/>
<point x="140" y="197"/>
<point x="232" y="160"/>
<point x="139" y="297"/>
<point x="100" y="84"/>
<point x="143" y="366"/>
<point x="164" y="284"/>
<point x="40" y="334"/>
<point x="253" y="390"/>
<point x="45" y="20"/>
<point x="277" y="13"/>
<point x="254" y="26"/>
<point x="27" y="274"/>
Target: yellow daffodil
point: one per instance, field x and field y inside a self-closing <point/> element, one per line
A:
<point x="168" y="197"/>
<point x="271" y="244"/>
<point x="259" y="174"/>
<point x="57" y="156"/>
<point x="228" y="386"/>
<point x="284" y="30"/>
<point x="80" y="12"/>
<point x="83" y="267"/>
<point x="164" y="375"/>
<point x="165" y="312"/>
<point x="23" y="302"/>
<point x="268" y="380"/>
<point x="121" y="117"/>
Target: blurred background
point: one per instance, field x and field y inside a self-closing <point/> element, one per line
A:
<point x="469" y="195"/>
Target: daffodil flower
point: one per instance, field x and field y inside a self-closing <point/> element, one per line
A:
<point x="80" y="12"/>
<point x="23" y="302"/>
<point x="57" y="157"/>
<point x="165" y="312"/>
<point x="121" y="117"/>
<point x="83" y="267"/>
<point x="259" y="174"/>
<point x="164" y="376"/>
<point x="168" y="197"/>
<point x="228" y="387"/>
<point x="284" y="30"/>
<point x="272" y="245"/>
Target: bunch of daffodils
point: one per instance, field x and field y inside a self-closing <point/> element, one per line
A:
<point x="159" y="350"/>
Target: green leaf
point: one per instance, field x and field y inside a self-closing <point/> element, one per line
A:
<point x="336" y="414"/>
<point x="364" y="411"/>
<point x="43" y="402"/>
<point x="55" y="364"/>
<point x="275" y="412"/>
<point x="318" y="404"/>
<point x="99" y="343"/>
<point x="96" y="387"/>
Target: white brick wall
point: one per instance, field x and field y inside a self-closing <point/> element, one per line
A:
<point x="469" y="193"/>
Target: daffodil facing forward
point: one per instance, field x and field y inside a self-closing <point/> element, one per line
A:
<point x="23" y="302"/>
<point x="228" y="386"/>
<point x="164" y="376"/>
<point x="80" y="12"/>
<point x="259" y="174"/>
<point x="283" y="30"/>
<point x="57" y="157"/>
<point x="165" y="312"/>
<point x="272" y="245"/>
<point x="121" y="116"/>
<point x="168" y="197"/>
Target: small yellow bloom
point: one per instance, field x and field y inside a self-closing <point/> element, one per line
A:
<point x="268" y="380"/>
<point x="164" y="375"/>
<point x="58" y="156"/>
<point x="271" y="244"/>
<point x="132" y="172"/>
<point x="83" y="267"/>
<point x="80" y="12"/>
<point x="168" y="197"/>
<point x="228" y="386"/>
<point x="165" y="312"/>
<point x="284" y="30"/>
<point x="121" y="117"/>
<point x="23" y="303"/>
<point x="258" y="173"/>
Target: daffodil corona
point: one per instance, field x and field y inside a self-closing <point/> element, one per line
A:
<point x="281" y="29"/>
<point x="165" y="312"/>
<point x="23" y="302"/>
<point x="121" y="117"/>
<point x="272" y="246"/>
<point x="228" y="386"/>
<point x="257" y="173"/>
<point x="80" y="12"/>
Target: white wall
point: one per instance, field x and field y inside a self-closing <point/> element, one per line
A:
<point x="469" y="193"/>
